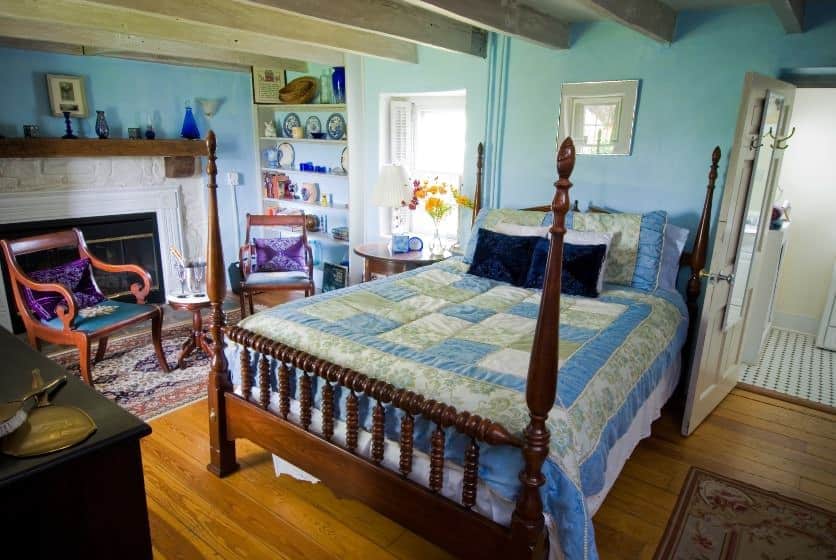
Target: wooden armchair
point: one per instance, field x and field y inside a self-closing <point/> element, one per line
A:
<point x="72" y="326"/>
<point x="257" y="281"/>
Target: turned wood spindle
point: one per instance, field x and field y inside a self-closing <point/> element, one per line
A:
<point x="378" y="421"/>
<point x="305" y="400"/>
<point x="264" y="380"/>
<point x="437" y="460"/>
<point x="246" y="373"/>
<point x="407" y="429"/>
<point x="327" y="410"/>
<point x="352" y="423"/>
<point x="471" y="474"/>
<point x="284" y="390"/>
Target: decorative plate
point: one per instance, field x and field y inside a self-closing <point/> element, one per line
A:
<point x="291" y="120"/>
<point x="336" y="126"/>
<point x="287" y="155"/>
<point x="310" y="192"/>
<point x="415" y="244"/>
<point x="313" y="125"/>
<point x="344" y="159"/>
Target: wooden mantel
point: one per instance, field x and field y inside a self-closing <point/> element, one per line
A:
<point x="88" y="147"/>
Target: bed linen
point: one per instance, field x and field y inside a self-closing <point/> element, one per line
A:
<point x="466" y="340"/>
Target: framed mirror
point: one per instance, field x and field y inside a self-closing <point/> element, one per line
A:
<point x="599" y="116"/>
<point x="757" y="200"/>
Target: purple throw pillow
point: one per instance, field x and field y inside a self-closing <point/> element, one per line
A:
<point x="279" y="255"/>
<point x="76" y="276"/>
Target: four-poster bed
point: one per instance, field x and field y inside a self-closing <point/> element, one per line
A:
<point x="314" y="412"/>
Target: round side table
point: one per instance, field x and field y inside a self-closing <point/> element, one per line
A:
<point x="198" y="338"/>
<point x="380" y="261"/>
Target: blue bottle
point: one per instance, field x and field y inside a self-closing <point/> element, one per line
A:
<point x="189" y="129"/>
<point x="338" y="83"/>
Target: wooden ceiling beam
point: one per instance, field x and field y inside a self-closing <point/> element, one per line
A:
<point x="651" y="18"/>
<point x="123" y="45"/>
<point x="509" y="18"/>
<point x="254" y="19"/>
<point x="791" y="14"/>
<point x="392" y="19"/>
<point x="47" y="46"/>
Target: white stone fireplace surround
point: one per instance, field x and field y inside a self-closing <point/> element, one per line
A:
<point x="33" y="190"/>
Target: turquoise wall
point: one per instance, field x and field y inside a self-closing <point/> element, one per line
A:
<point x="436" y="71"/>
<point x="127" y="90"/>
<point x="688" y="103"/>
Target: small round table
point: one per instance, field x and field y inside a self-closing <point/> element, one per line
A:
<point x="380" y="261"/>
<point x="197" y="338"/>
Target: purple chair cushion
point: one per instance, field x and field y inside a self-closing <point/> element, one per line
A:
<point x="286" y="254"/>
<point x="76" y="276"/>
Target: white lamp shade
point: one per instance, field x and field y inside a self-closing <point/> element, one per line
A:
<point x="392" y="187"/>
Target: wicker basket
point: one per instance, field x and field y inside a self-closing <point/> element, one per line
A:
<point x="301" y="90"/>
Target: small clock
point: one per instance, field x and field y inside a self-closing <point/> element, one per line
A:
<point x="415" y="244"/>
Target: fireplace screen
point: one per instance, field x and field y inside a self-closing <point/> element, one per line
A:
<point x="122" y="239"/>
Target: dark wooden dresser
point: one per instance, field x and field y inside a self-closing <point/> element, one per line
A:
<point x="84" y="502"/>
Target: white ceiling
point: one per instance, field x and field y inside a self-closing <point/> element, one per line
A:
<point x="577" y="10"/>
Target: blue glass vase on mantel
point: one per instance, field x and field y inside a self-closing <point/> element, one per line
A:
<point x="102" y="128"/>
<point x="338" y="84"/>
<point x="189" y="129"/>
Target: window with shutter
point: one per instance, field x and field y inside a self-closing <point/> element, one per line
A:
<point x="400" y="132"/>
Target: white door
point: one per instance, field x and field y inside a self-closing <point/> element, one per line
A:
<point x="754" y="165"/>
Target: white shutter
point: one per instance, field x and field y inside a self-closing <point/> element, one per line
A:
<point x="400" y="132"/>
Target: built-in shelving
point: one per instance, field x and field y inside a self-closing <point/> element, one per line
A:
<point x="95" y="147"/>
<point x="304" y="106"/>
<point x="311" y="204"/>
<point x="304" y="140"/>
<point x="299" y="172"/>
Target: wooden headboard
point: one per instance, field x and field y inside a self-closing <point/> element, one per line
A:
<point x="693" y="259"/>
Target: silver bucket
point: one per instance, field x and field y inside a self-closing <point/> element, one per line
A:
<point x="196" y="277"/>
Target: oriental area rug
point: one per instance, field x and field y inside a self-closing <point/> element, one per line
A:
<point x="718" y="518"/>
<point x="131" y="376"/>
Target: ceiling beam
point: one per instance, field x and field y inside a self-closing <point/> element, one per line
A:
<point x="791" y="14"/>
<point x="502" y="16"/>
<point x="391" y="19"/>
<point x="47" y="46"/>
<point x="651" y="18"/>
<point x="123" y="45"/>
<point x="251" y="18"/>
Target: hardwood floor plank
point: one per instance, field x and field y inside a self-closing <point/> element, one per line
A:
<point x="772" y="401"/>
<point x="811" y="424"/>
<point x="173" y="540"/>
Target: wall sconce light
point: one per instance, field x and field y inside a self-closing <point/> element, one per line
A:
<point x="210" y="106"/>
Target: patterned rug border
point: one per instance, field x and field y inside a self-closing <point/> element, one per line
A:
<point x="674" y="528"/>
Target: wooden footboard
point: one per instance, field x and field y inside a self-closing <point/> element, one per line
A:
<point x="450" y="524"/>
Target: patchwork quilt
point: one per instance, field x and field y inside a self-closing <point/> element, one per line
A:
<point x="466" y="341"/>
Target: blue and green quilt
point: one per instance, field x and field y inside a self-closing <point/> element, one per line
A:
<point x="466" y="340"/>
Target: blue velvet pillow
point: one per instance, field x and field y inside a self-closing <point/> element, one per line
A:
<point x="581" y="267"/>
<point x="505" y="258"/>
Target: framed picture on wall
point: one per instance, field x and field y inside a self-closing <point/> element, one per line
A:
<point x="266" y="84"/>
<point x="66" y="94"/>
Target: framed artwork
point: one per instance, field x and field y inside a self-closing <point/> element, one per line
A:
<point x="66" y="93"/>
<point x="266" y="84"/>
<point x="599" y="116"/>
<point x="334" y="276"/>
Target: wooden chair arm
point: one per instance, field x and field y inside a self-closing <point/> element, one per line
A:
<point x="140" y="293"/>
<point x="67" y="313"/>
<point x="245" y="255"/>
<point x="309" y="257"/>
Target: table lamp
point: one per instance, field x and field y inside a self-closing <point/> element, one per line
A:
<point x="391" y="191"/>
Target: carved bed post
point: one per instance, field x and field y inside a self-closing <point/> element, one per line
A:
<point x="527" y="526"/>
<point x="221" y="449"/>
<point x="477" y="192"/>
<point x="697" y="257"/>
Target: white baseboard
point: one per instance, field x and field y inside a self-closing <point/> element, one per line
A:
<point x="798" y="323"/>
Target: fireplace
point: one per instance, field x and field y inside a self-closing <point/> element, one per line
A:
<point x="118" y="239"/>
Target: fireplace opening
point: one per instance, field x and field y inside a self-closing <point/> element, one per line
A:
<point x="120" y="239"/>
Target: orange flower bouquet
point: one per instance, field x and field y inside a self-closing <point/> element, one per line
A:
<point x="438" y="199"/>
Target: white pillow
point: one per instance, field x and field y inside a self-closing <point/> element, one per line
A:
<point x="507" y="228"/>
<point x="593" y="238"/>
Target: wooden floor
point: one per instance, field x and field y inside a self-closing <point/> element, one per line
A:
<point x="775" y="445"/>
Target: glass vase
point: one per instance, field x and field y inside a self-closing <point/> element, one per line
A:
<point x="326" y="94"/>
<point x="189" y="129"/>
<point x="338" y="84"/>
<point x="102" y="129"/>
<point x="436" y="246"/>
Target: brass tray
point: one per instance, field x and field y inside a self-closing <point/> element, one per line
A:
<point x="48" y="429"/>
